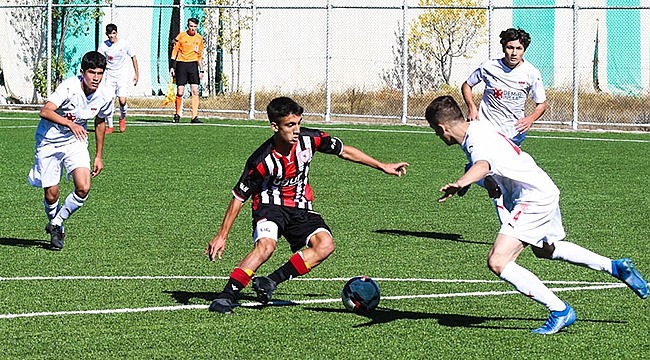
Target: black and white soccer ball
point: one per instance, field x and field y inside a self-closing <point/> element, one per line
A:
<point x="360" y="295"/>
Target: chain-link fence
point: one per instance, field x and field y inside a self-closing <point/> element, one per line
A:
<point x="381" y="61"/>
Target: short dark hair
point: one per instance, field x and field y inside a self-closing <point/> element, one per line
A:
<point x="513" y="34"/>
<point x="193" y="20"/>
<point x="110" y="28"/>
<point x="93" y="60"/>
<point x="443" y="109"/>
<point x="281" y="107"/>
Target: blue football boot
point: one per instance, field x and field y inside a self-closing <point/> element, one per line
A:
<point x="625" y="271"/>
<point x="557" y="321"/>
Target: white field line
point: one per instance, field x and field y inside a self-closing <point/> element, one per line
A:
<point x="189" y="277"/>
<point x="326" y="127"/>
<point x="592" y="286"/>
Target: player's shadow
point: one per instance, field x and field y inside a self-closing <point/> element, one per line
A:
<point x="24" y="243"/>
<point x="384" y="315"/>
<point x="250" y="300"/>
<point x="186" y="297"/>
<point x="431" y="235"/>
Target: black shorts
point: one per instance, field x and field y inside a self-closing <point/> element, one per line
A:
<point x="296" y="225"/>
<point x="187" y="72"/>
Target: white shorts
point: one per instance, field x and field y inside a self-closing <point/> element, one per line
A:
<point x="50" y="158"/>
<point x="535" y="224"/>
<point x="119" y="85"/>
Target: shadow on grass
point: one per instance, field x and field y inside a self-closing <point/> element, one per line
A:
<point x="384" y="315"/>
<point x="185" y="297"/>
<point x="431" y="235"/>
<point x="24" y="243"/>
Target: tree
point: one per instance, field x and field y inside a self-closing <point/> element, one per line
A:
<point x="440" y="35"/>
<point x="70" y="21"/>
<point x="67" y="21"/>
<point x="421" y="76"/>
<point x="29" y="35"/>
<point x="228" y="24"/>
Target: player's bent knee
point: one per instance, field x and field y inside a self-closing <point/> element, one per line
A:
<point x="495" y="265"/>
<point x="51" y="194"/>
<point x="326" y="248"/>
<point x="323" y="244"/>
<point x="82" y="192"/>
<point x="265" y="246"/>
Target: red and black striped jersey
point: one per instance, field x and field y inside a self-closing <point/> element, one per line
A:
<point x="274" y="179"/>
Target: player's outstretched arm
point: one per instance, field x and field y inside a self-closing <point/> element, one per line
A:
<point x="478" y="171"/>
<point x="217" y="245"/>
<point x="353" y="154"/>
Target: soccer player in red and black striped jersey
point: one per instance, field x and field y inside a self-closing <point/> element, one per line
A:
<point x="276" y="178"/>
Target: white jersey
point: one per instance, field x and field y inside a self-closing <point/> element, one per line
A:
<point x="521" y="180"/>
<point x="118" y="56"/>
<point x="74" y="105"/>
<point x="506" y="91"/>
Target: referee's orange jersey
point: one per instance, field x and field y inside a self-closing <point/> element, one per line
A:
<point x="188" y="48"/>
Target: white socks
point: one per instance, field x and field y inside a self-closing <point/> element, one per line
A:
<point x="578" y="255"/>
<point x="51" y="209"/>
<point x="72" y="203"/>
<point x="530" y="285"/>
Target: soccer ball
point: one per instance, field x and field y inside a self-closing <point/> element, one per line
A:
<point x="360" y="295"/>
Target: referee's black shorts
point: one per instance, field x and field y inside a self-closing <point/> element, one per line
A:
<point x="187" y="72"/>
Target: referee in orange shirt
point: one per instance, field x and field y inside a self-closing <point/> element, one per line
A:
<point x="186" y="66"/>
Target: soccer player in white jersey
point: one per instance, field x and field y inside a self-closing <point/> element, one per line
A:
<point x="117" y="53"/>
<point x="508" y="83"/>
<point x="533" y="201"/>
<point x="62" y="141"/>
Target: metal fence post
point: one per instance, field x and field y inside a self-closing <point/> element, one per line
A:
<point x="574" y="122"/>
<point x="328" y="90"/>
<point x="181" y="14"/>
<point x="405" y="86"/>
<point x="251" y="96"/>
<point x="48" y="42"/>
<point x="490" y="15"/>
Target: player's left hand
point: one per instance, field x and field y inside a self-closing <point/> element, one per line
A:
<point x="135" y="80"/>
<point x="450" y="190"/>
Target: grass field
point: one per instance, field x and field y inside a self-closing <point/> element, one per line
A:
<point x="133" y="283"/>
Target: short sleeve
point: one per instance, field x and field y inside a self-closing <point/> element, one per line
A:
<point x="330" y="144"/>
<point x="538" y="94"/>
<point x="475" y="77"/>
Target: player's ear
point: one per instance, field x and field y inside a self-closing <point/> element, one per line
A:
<point x="274" y="126"/>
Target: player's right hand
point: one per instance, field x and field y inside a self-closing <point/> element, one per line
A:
<point x="172" y="72"/>
<point x="215" y="247"/>
<point x="79" y="132"/>
<point x="472" y="114"/>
